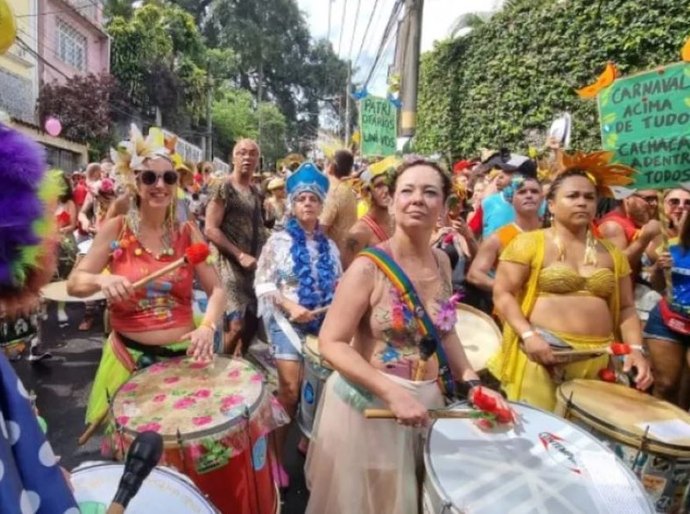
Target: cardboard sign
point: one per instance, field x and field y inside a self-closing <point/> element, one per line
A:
<point x="378" y="121"/>
<point x="645" y="120"/>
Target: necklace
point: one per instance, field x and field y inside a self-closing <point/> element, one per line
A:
<point x="133" y="221"/>
<point x="590" y="258"/>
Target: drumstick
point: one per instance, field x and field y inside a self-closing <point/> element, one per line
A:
<point x="427" y="347"/>
<point x="194" y="254"/>
<point x="433" y="413"/>
<point x="320" y="310"/>
<point x="90" y="430"/>
<point x="616" y="349"/>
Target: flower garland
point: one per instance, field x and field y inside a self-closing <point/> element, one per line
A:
<point x="311" y="293"/>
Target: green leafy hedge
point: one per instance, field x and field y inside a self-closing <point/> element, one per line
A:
<point x="505" y="82"/>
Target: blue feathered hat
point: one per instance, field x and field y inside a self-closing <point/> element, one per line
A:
<point x="307" y="178"/>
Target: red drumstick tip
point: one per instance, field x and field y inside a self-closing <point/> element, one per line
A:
<point x="196" y="253"/>
<point x="620" y="349"/>
<point x="607" y="375"/>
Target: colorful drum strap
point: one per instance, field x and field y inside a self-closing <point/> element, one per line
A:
<point x="400" y="281"/>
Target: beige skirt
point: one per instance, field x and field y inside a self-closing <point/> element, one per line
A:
<point x="364" y="466"/>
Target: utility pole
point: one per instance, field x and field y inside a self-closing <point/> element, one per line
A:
<point x="208" y="146"/>
<point x="410" y="73"/>
<point x="348" y="105"/>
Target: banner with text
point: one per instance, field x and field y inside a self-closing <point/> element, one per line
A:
<point x="645" y="120"/>
<point x="378" y="121"/>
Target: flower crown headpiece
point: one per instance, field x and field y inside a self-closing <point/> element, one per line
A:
<point x="605" y="175"/>
<point x="129" y="156"/>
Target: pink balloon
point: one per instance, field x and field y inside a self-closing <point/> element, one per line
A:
<point x="53" y="127"/>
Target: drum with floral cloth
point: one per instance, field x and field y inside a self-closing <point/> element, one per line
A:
<point x="215" y="419"/>
<point x="316" y="371"/>
<point x="164" y="490"/>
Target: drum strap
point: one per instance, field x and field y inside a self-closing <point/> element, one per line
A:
<point x="402" y="283"/>
<point x="672" y="319"/>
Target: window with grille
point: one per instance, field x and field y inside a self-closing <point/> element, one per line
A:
<point x="71" y="46"/>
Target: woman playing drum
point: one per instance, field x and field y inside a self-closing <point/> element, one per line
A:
<point x="372" y="340"/>
<point x="564" y="287"/>
<point x="156" y="320"/>
<point x="296" y="273"/>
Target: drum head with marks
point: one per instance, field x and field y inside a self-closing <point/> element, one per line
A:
<point x="163" y="490"/>
<point x="57" y="292"/>
<point x="194" y="398"/>
<point x="624" y="414"/>
<point x="544" y="465"/>
<point x="479" y="335"/>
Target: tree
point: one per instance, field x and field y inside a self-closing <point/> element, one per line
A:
<point x="236" y="116"/>
<point x="157" y="57"/>
<point x="502" y="84"/>
<point x="82" y="106"/>
<point x="276" y="58"/>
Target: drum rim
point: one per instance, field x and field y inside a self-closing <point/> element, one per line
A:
<point x="314" y="357"/>
<point x="172" y="440"/>
<point x="190" y="486"/>
<point x="620" y="435"/>
<point x="433" y="479"/>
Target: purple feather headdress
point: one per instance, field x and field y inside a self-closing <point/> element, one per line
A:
<point x="23" y="228"/>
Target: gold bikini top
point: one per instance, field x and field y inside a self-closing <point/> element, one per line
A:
<point x="562" y="279"/>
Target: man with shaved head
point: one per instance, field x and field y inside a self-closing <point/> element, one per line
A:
<point x="235" y="227"/>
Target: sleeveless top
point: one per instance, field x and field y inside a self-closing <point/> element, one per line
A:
<point x="629" y="228"/>
<point x="163" y="303"/>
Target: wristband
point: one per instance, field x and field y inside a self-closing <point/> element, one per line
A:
<point x="209" y="324"/>
<point x="527" y="334"/>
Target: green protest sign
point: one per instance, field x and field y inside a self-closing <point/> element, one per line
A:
<point x="378" y="120"/>
<point x="645" y="120"/>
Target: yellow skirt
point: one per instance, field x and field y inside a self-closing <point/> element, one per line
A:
<point x="536" y="386"/>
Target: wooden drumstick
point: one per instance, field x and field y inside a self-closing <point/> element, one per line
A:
<point x="194" y="254"/>
<point x="433" y="413"/>
<point x="320" y="310"/>
<point x="90" y="430"/>
<point x="616" y="349"/>
<point x="427" y="347"/>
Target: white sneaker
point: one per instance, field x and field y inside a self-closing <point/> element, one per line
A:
<point x="62" y="316"/>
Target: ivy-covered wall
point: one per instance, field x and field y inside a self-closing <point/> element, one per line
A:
<point x="505" y="82"/>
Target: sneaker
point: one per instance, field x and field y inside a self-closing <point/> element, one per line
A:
<point x="62" y="316"/>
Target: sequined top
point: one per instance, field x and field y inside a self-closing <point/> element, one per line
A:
<point x="560" y="278"/>
<point x="163" y="303"/>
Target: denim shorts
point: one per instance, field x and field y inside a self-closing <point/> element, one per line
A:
<point x="282" y="347"/>
<point x="655" y="328"/>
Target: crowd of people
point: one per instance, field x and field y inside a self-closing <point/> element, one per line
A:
<point x="551" y="248"/>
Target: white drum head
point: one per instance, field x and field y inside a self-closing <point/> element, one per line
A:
<point x="479" y="335"/>
<point x="57" y="292"/>
<point x="85" y="246"/>
<point x="547" y="465"/>
<point x="164" y="490"/>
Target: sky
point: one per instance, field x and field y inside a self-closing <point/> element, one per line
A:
<point x="438" y="17"/>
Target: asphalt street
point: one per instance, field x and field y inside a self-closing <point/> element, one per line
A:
<point x="62" y="386"/>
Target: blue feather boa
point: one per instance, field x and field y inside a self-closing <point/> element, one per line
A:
<point x="311" y="293"/>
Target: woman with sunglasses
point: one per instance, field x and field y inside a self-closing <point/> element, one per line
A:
<point x="155" y="321"/>
<point x="667" y="331"/>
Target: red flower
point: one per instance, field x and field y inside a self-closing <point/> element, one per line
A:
<point x="184" y="403"/>
<point x="201" y="420"/>
<point x="159" y="398"/>
<point x="171" y="380"/>
<point x="149" y="427"/>
<point x="129" y="386"/>
<point x="202" y="393"/>
<point x="63" y="219"/>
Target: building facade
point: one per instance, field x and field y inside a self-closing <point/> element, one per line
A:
<point x="19" y="79"/>
<point x="71" y="40"/>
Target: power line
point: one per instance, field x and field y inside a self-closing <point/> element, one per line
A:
<point x="342" y="26"/>
<point x="366" y="32"/>
<point x="384" y="40"/>
<point x="354" y="29"/>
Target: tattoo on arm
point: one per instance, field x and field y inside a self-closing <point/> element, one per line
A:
<point x="352" y="245"/>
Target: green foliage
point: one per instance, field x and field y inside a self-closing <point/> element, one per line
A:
<point x="503" y="83"/>
<point x="157" y="55"/>
<point x="235" y="116"/>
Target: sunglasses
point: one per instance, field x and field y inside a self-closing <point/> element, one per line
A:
<point x="675" y="202"/>
<point x="150" y="177"/>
